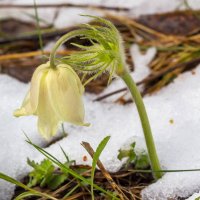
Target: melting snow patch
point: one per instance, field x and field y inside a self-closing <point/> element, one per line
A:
<point x="177" y="143"/>
<point x="195" y="196"/>
<point x="141" y="62"/>
<point x="14" y="149"/>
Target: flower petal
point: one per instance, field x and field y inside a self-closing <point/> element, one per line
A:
<point x="26" y="108"/>
<point x="47" y="119"/>
<point x="75" y="76"/>
<point x="65" y="92"/>
<point x="35" y="84"/>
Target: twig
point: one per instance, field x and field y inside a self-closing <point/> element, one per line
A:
<point x="151" y="77"/>
<point x="136" y="24"/>
<point x="76" y="196"/>
<point x="110" y="94"/>
<point x="30" y="54"/>
<point x="104" y="172"/>
<point x="27" y="6"/>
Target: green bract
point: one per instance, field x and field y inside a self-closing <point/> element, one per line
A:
<point x="106" y="52"/>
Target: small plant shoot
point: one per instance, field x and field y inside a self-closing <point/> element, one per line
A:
<point x="139" y="160"/>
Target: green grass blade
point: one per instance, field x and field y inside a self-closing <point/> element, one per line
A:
<point x="66" y="156"/>
<point x="13" y="181"/>
<point x="71" y="191"/>
<point x="32" y="16"/>
<point x="38" y="28"/>
<point x="26" y="194"/>
<point x="96" y="156"/>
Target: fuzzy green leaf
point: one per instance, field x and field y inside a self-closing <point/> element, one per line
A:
<point x="142" y="161"/>
<point x="70" y="171"/>
<point x="41" y="174"/>
<point x="56" y="180"/>
<point x="130" y="153"/>
<point x="139" y="160"/>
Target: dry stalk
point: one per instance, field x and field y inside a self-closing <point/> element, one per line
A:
<point x="105" y="173"/>
<point x="30" y="54"/>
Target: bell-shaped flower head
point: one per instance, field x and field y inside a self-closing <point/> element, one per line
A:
<point x="55" y="96"/>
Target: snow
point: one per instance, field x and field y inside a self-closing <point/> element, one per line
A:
<point x="109" y="3"/>
<point x="141" y="61"/>
<point x="155" y="6"/>
<point x="74" y="15"/>
<point x="14" y="150"/>
<point x="69" y="15"/>
<point x="195" y="196"/>
<point x="150" y="7"/>
<point x="177" y="143"/>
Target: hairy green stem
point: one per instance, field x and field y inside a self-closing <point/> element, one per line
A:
<point x="62" y="40"/>
<point x="145" y="124"/>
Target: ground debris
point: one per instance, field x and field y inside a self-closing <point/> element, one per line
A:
<point x="175" y="35"/>
<point x="130" y="183"/>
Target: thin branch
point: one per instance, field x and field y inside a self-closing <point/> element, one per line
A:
<point x="132" y="22"/>
<point x="15" y="56"/>
<point x="29" y="6"/>
<point x="110" y="94"/>
<point x="104" y="172"/>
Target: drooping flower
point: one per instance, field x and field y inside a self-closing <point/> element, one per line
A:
<point x="106" y="53"/>
<point x="55" y="96"/>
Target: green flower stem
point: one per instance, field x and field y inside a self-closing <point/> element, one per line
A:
<point x="62" y="40"/>
<point x="145" y="124"/>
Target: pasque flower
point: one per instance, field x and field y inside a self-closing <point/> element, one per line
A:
<point x="55" y="95"/>
<point x="106" y="53"/>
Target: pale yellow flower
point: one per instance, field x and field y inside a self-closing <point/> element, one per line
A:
<point x="55" y="96"/>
